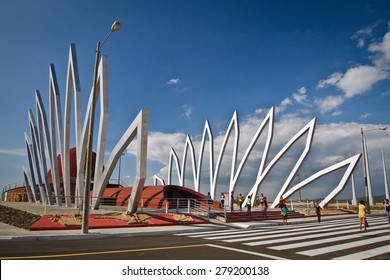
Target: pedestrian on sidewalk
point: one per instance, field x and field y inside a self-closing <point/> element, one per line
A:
<point x="281" y="202"/>
<point x="249" y="206"/>
<point x="362" y="215"/>
<point x="240" y="200"/>
<point x="261" y="198"/>
<point x="232" y="200"/>
<point x="265" y="207"/>
<point x="387" y="208"/>
<point x="285" y="214"/>
<point x="318" y="212"/>
<point x="222" y="197"/>
<point x="209" y="200"/>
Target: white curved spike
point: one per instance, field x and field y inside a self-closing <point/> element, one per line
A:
<point x="158" y="179"/>
<point x="189" y="146"/>
<point x="72" y="86"/>
<point x="30" y="157"/>
<point x="27" y="181"/>
<point x="350" y="163"/>
<point x="309" y="128"/>
<point x="102" y="89"/>
<point x="233" y="124"/>
<point x="173" y="156"/>
<point x="385" y="177"/>
<point x="102" y="133"/>
<point x="206" y="133"/>
<point x="55" y="115"/>
<point x="138" y="128"/>
<point x="35" y="156"/>
<point x="44" y="137"/>
<point x="269" y="120"/>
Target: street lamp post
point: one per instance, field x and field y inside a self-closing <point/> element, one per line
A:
<point x="119" y="171"/>
<point x="88" y="166"/>
<point x="365" y="164"/>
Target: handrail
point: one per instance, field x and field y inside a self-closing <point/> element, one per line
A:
<point x="197" y="207"/>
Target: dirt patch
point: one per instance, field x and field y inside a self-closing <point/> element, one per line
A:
<point x="17" y="218"/>
<point x="130" y="218"/>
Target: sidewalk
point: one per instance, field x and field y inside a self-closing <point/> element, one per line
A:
<point x="8" y="232"/>
<point x="164" y="226"/>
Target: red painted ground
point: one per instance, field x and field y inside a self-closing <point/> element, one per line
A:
<point x="47" y="222"/>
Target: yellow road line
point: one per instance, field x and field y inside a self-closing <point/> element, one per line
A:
<point x="102" y="252"/>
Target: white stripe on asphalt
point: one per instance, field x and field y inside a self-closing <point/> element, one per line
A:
<point x="247" y="252"/>
<point x="366" y="254"/>
<point x="269" y="233"/>
<point x="334" y="248"/>
<point x="328" y="231"/>
<point x="332" y="239"/>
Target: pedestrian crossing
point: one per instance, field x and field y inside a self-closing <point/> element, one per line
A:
<point x="331" y="239"/>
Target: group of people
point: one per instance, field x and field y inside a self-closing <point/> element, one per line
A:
<point x="240" y="199"/>
<point x="362" y="211"/>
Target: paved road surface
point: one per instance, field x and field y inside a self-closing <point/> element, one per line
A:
<point x="331" y="239"/>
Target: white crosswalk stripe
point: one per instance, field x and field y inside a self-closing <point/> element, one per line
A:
<point x="337" y="237"/>
<point x="316" y="234"/>
<point x="328" y="240"/>
<point x="366" y="254"/>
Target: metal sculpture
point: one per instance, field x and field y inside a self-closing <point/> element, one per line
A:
<point x="58" y="134"/>
<point x="264" y="169"/>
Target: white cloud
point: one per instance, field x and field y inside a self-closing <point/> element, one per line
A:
<point x="365" y="116"/>
<point x="332" y="80"/>
<point x="329" y="103"/>
<point x="362" y="35"/>
<point x="337" y="113"/>
<point x="187" y="111"/>
<point x="173" y="81"/>
<point x="283" y="105"/>
<point x="13" y="152"/>
<point x="300" y="96"/>
<point x="359" y="79"/>
<point x="159" y="145"/>
<point x="178" y="85"/>
<point x="382" y="51"/>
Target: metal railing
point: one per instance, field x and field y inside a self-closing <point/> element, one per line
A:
<point x="198" y="207"/>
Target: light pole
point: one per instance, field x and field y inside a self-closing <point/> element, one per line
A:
<point x="119" y="172"/>
<point x="88" y="166"/>
<point x="365" y="163"/>
<point x="299" y="191"/>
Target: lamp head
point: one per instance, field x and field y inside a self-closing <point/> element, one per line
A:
<point x="115" y="26"/>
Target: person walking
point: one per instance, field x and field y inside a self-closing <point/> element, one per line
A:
<point x="265" y="207"/>
<point x="240" y="201"/>
<point x="261" y="198"/>
<point x="232" y="200"/>
<point x="362" y="215"/>
<point x="222" y="198"/>
<point x="249" y="206"/>
<point x="209" y="201"/>
<point x="281" y="202"/>
<point x="284" y="213"/>
<point x="318" y="212"/>
<point x="387" y="208"/>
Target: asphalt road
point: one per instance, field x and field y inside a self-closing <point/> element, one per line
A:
<point x="338" y="239"/>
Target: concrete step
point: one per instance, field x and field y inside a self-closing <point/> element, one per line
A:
<point x="242" y="216"/>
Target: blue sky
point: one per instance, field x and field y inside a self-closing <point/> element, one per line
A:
<point x="188" y="61"/>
